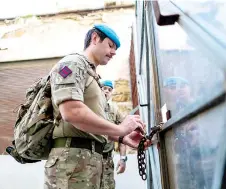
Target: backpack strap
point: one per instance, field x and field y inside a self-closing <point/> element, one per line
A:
<point x="90" y="71"/>
<point x="89" y="81"/>
<point x="93" y="75"/>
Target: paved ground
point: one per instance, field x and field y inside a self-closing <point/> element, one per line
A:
<point x="30" y="176"/>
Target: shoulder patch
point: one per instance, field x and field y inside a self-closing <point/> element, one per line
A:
<point x="65" y="71"/>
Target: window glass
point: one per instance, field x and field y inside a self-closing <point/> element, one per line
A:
<point x="192" y="150"/>
<point x="207" y="13"/>
<point x="186" y="74"/>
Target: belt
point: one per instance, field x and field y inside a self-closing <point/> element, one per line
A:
<point x="107" y="155"/>
<point x="77" y="142"/>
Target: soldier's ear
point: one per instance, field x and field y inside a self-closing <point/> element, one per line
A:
<point x="95" y="38"/>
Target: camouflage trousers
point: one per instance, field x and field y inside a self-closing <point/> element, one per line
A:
<point x="73" y="168"/>
<point x="107" y="181"/>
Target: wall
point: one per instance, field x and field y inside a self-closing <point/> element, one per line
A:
<point x="16" y="77"/>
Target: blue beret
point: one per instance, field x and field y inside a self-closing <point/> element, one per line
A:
<point x="174" y="81"/>
<point x="110" y="33"/>
<point x="107" y="83"/>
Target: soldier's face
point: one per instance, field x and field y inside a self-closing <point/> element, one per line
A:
<point x="178" y="91"/>
<point x="104" y="51"/>
<point x="107" y="92"/>
<point x="184" y="92"/>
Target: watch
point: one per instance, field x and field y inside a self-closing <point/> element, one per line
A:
<point x="120" y="139"/>
<point x="123" y="158"/>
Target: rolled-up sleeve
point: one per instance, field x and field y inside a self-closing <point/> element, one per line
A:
<point x="68" y="81"/>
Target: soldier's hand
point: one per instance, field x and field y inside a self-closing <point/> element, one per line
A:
<point x="121" y="166"/>
<point x="133" y="139"/>
<point x="132" y="123"/>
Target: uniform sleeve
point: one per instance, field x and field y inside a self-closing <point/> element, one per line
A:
<point x="68" y="80"/>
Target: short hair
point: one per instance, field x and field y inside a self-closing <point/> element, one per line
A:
<point x="89" y="35"/>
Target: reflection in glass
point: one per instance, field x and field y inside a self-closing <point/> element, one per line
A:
<point x="192" y="150"/>
<point x="186" y="74"/>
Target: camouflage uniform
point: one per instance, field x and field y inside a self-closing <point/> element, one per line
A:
<point x="70" y="167"/>
<point x="108" y="181"/>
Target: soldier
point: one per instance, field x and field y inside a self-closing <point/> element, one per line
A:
<point x="81" y="128"/>
<point x="116" y="117"/>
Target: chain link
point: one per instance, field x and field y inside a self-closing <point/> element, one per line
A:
<point x="141" y="154"/>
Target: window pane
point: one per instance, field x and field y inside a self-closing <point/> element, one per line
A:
<point x="186" y="74"/>
<point x="207" y="13"/>
<point x="192" y="150"/>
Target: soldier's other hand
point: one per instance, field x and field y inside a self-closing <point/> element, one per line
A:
<point x="133" y="139"/>
<point x="121" y="167"/>
<point x="142" y="131"/>
<point x="131" y="123"/>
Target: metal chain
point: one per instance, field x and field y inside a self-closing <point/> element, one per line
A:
<point x="141" y="157"/>
<point x="141" y="154"/>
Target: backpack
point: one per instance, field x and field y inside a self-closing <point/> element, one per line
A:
<point x="35" y="122"/>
